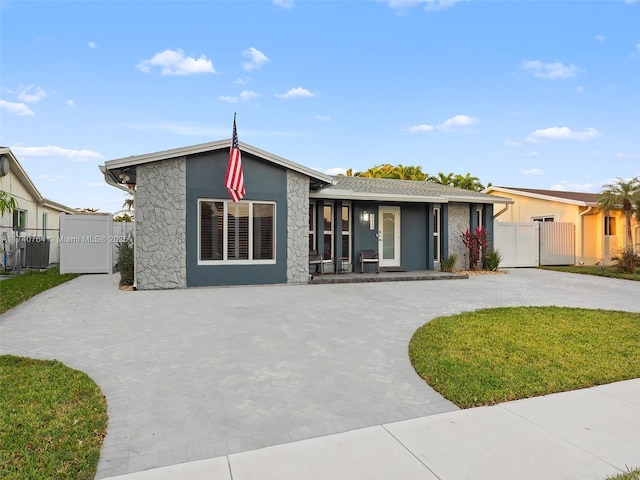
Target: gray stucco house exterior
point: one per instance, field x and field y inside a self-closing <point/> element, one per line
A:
<point x="189" y="233"/>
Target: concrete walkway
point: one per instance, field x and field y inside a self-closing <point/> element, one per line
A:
<point x="213" y="372"/>
<point x="585" y="434"/>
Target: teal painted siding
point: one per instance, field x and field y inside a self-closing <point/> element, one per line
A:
<point x="263" y="181"/>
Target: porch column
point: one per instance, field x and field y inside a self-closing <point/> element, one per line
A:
<point x="487" y="221"/>
<point x="320" y="226"/>
<point x="337" y="228"/>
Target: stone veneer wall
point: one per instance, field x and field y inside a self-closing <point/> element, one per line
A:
<point x="297" y="228"/>
<point x="458" y="224"/>
<point x="160" y="224"/>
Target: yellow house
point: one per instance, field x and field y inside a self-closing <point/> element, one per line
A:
<point x="35" y="219"/>
<point x="599" y="235"/>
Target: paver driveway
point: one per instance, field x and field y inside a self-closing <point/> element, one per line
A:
<point x="197" y="373"/>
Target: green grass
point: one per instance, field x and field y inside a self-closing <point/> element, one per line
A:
<point x="630" y="474"/>
<point x="15" y="290"/>
<point x="611" y="272"/>
<point x="501" y="354"/>
<point x="52" y="423"/>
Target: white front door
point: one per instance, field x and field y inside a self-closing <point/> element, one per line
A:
<point x="389" y="236"/>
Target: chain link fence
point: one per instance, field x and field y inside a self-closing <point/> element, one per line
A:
<point x="28" y="248"/>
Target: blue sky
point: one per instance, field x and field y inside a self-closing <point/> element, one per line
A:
<point x="538" y="94"/>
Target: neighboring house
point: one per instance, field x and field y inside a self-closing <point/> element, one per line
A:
<point x="189" y="233"/>
<point x="36" y="218"/>
<point x="599" y="235"/>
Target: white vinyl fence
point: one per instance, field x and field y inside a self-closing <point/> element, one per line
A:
<point x="85" y="243"/>
<point x="531" y="244"/>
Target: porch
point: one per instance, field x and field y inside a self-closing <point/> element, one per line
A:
<point x="352" y="277"/>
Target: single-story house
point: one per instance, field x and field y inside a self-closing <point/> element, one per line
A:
<point x="36" y="218"/>
<point x="189" y="233"/>
<point x="599" y="234"/>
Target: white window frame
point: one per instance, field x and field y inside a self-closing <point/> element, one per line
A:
<point x="608" y="220"/>
<point x="225" y="249"/>
<point x="348" y="232"/>
<point x="436" y="233"/>
<point x="544" y="218"/>
<point x="16" y="214"/>
<point x="331" y="228"/>
<point x="479" y="217"/>
<point x="45" y="224"/>
<point x="312" y="223"/>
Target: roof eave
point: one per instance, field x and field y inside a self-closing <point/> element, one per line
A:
<point x="539" y="196"/>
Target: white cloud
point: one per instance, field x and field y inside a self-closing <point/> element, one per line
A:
<point x="245" y="96"/>
<point x="513" y="143"/>
<point x="532" y="154"/>
<point x="429" y="5"/>
<point x="57" y="152"/>
<point x="31" y="94"/>
<point x="16" y="108"/>
<point x="323" y="118"/>
<point x="240" y="81"/>
<point x="228" y="99"/>
<point x="336" y="171"/>
<point x="248" y="95"/>
<point x="92" y="45"/>
<point x="532" y="172"/>
<point x="257" y="59"/>
<point x="580" y="89"/>
<point x="459" y="121"/>
<point x="175" y="62"/>
<point x="600" y="38"/>
<point x="566" y="186"/>
<point x="296" y="93"/>
<point x="549" y="71"/>
<point x="284" y="3"/>
<point x="562" y="133"/>
<point x="70" y="103"/>
<point x="420" y="128"/>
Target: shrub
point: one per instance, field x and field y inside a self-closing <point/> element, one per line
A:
<point x="627" y="261"/>
<point x="125" y="261"/>
<point x="492" y="260"/>
<point x="476" y="243"/>
<point x="449" y="263"/>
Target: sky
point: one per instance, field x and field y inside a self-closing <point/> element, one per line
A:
<point x="536" y="94"/>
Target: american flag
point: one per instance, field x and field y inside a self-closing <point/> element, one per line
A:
<point x="234" y="180"/>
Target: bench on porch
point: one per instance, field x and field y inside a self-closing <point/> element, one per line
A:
<point x="369" y="256"/>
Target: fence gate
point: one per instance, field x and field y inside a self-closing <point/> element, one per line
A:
<point x="518" y="243"/>
<point x="557" y="243"/>
<point x="85" y="243"/>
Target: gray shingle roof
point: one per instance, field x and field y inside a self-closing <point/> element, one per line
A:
<point x="402" y="190"/>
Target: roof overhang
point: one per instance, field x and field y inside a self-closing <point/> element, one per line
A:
<point x="335" y="194"/>
<point x="510" y="191"/>
<point x="116" y="171"/>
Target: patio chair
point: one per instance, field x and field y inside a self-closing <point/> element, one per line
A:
<point x="317" y="260"/>
<point x="369" y="256"/>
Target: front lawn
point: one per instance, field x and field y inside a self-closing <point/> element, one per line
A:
<point x="611" y="272"/>
<point x="52" y="423"/>
<point x="17" y="289"/>
<point x="500" y="354"/>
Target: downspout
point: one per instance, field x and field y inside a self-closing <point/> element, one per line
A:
<point x="113" y="183"/>
<point x="586" y="212"/>
<point x="506" y="207"/>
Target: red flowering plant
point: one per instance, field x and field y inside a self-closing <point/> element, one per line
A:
<point x="476" y="243"/>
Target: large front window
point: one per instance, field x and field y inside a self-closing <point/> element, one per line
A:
<point x="242" y="232"/>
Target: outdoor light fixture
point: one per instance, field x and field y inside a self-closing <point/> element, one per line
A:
<point x="365" y="216"/>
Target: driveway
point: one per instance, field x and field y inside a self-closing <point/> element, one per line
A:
<point x="205" y="372"/>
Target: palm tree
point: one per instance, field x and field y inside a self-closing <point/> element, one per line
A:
<point x="623" y="194"/>
<point x="442" y="179"/>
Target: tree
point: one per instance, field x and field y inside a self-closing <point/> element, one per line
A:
<point x="442" y="179"/>
<point x="7" y="203"/>
<point x="623" y="194"/>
